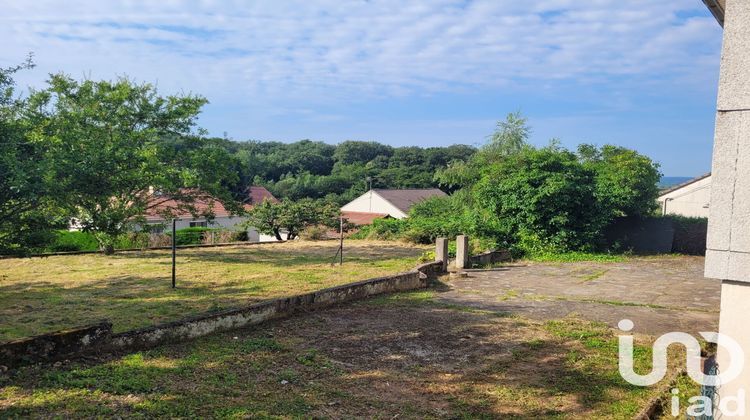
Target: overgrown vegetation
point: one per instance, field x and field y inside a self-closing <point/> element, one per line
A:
<point x="101" y="151"/>
<point x="533" y="200"/>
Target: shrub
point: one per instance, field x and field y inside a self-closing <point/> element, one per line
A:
<point x="133" y="240"/>
<point x="382" y="229"/>
<point x="314" y="233"/>
<point x="544" y="197"/>
<point x="191" y="236"/>
<point x="437" y="217"/>
<point x="69" y="241"/>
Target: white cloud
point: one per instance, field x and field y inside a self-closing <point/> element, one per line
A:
<point x="276" y="51"/>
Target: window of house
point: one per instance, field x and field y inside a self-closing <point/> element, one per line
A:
<point x="199" y="224"/>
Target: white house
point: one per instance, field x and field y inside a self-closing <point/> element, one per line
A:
<point x="384" y="203"/>
<point x="222" y="218"/>
<point x="691" y="198"/>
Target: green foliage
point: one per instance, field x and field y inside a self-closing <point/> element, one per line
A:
<point x="111" y="142"/>
<point x="537" y="201"/>
<point x="437" y="217"/>
<point x="510" y="137"/>
<point x="351" y="165"/>
<point x="291" y="217"/>
<point x="626" y="181"/>
<point x="29" y="195"/>
<point x="73" y="241"/>
<point x="383" y="229"/>
<point x="548" y="256"/>
<point x="539" y="197"/>
<point x="191" y="235"/>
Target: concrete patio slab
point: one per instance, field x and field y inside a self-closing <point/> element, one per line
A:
<point x="660" y="294"/>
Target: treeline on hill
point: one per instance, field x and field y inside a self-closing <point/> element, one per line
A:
<point x="92" y="149"/>
<point x="95" y="150"/>
<point x="532" y="200"/>
<point x="338" y="173"/>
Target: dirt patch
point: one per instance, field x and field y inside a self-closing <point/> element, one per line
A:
<point x="406" y="355"/>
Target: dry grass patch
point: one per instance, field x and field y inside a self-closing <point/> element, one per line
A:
<point x="405" y="356"/>
<point x="133" y="289"/>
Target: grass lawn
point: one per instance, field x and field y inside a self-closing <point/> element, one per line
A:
<point x="405" y="355"/>
<point x="133" y="289"/>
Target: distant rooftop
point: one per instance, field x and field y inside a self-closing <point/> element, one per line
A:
<point x="405" y="199"/>
<point x="683" y="184"/>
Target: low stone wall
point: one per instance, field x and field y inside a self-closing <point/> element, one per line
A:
<point x="489" y="258"/>
<point x="54" y="346"/>
<point x="98" y="338"/>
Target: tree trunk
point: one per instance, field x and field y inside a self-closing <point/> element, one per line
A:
<point x="278" y="235"/>
<point x="108" y="249"/>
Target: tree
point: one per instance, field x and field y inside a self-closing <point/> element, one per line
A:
<point x="626" y="181"/>
<point x="112" y="142"/>
<point x="539" y="198"/>
<point x="360" y="151"/>
<point x="510" y="137"/>
<point x="28" y="205"/>
<point x="292" y="217"/>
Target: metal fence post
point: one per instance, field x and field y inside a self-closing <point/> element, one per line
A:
<point x="174" y="253"/>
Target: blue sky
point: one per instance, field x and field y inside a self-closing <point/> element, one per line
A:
<point x="631" y="72"/>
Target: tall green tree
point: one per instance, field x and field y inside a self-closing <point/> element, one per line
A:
<point x="626" y="181"/>
<point x="28" y="194"/>
<point x="540" y="198"/>
<point x="286" y="219"/>
<point x="510" y="137"/>
<point x="110" y="148"/>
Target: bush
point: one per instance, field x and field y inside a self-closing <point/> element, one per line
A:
<point x="191" y="236"/>
<point x="314" y="233"/>
<point x="435" y="218"/>
<point x="544" y="197"/>
<point x="70" y="241"/>
<point x="382" y="229"/>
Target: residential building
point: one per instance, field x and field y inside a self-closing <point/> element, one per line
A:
<point x="393" y="203"/>
<point x="690" y="199"/>
<point x="203" y="206"/>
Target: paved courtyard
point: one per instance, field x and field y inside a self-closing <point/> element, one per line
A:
<point x="659" y="294"/>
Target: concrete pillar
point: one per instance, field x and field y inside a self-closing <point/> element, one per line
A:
<point x="462" y="252"/>
<point x="441" y="252"/>
<point x="728" y="243"/>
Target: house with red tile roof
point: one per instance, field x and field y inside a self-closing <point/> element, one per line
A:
<point x="205" y="211"/>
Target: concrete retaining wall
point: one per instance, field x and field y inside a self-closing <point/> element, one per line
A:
<point x="490" y="257"/>
<point x="98" y="338"/>
<point x="54" y="346"/>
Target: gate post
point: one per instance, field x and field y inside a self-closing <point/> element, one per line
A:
<point x="441" y="252"/>
<point x="462" y="252"/>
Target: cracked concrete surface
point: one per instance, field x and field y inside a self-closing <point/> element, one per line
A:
<point x="659" y="294"/>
